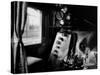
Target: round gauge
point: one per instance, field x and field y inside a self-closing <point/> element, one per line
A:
<point x="68" y="17"/>
<point x="59" y="15"/>
<point x="61" y="22"/>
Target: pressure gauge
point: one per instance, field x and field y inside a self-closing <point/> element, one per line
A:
<point x="59" y="15"/>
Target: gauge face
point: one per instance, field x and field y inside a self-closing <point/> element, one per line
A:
<point x="61" y="22"/>
<point x="59" y="15"/>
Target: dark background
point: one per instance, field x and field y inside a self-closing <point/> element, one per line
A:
<point x="83" y="18"/>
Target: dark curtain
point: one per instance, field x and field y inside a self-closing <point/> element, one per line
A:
<point x="17" y="46"/>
